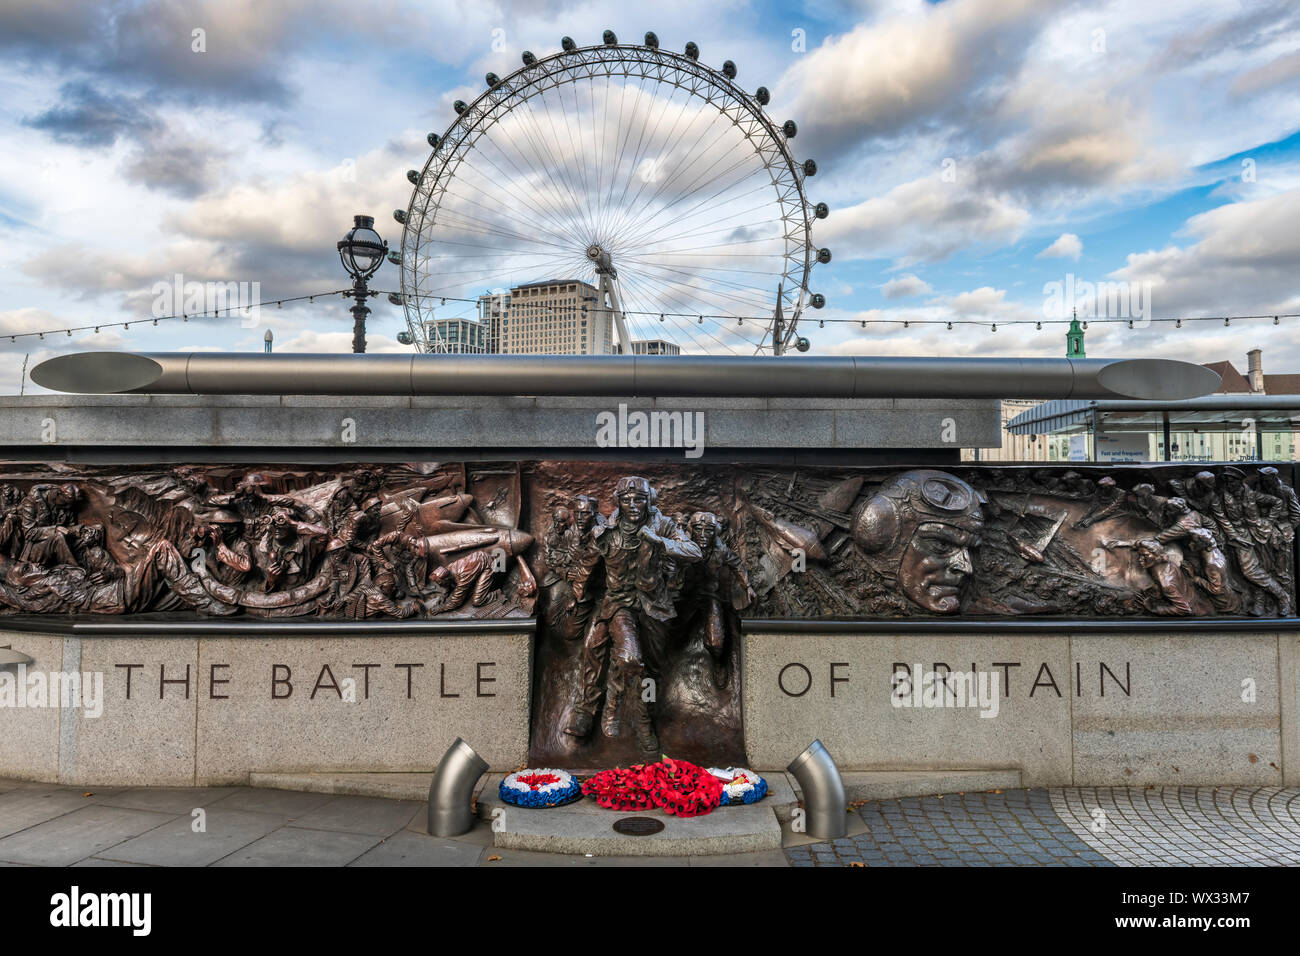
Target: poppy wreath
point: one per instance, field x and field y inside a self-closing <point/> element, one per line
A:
<point x="677" y="787"/>
<point x="740" y="785"/>
<point x="539" y="788"/>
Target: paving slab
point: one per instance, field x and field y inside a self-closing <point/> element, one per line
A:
<point x="412" y="849"/>
<point x="288" y="803"/>
<point x="297" y="846"/>
<point x="391" y="786"/>
<point x="761" y="858"/>
<point x="96" y="861"/>
<point x="503" y="856"/>
<point x="370" y="815"/>
<point x="24" y="807"/>
<point x="73" y="836"/>
<point x="165" y="799"/>
<point x="176" y="843"/>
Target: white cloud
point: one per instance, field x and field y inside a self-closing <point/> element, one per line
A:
<point x="1246" y="259"/>
<point x="904" y="286"/>
<point x="1066" y="246"/>
<point x="921" y="221"/>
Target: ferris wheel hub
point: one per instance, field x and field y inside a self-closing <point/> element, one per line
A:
<point x="604" y="264"/>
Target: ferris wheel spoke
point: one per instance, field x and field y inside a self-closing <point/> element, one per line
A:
<point x="731" y="230"/>
<point x="683" y="166"/>
<point x="634" y="168"/>
<point x="712" y="220"/>
<point x="563" y="171"/>
<point x="480" y="227"/>
<point x="666" y="208"/>
<point x="550" y="170"/>
<point x="686" y="267"/>
<point x="555" y="217"/>
<point x="564" y="215"/>
<point x="755" y="301"/>
<point x="666" y="306"/>
<point x="558" y="164"/>
<point x="631" y="204"/>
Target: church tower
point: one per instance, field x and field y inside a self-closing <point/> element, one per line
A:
<point x="1074" y="340"/>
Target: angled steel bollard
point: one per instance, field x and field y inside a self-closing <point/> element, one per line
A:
<point x="823" y="792"/>
<point x="452" y="790"/>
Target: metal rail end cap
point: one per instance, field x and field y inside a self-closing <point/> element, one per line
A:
<point x="97" y="373"/>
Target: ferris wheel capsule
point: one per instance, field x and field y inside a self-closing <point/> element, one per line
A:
<point x="821" y="210"/>
<point x="763" y="96"/>
<point x="789" y="128"/>
<point x="528" y="58"/>
<point x="400" y="215"/>
<point x="651" y="41"/>
<point x="434" y="139"/>
<point x="395" y="256"/>
<point x="810" y="167"/>
<point x="729" y="69"/>
<point x="692" y="51"/>
<point x="413" y="176"/>
<point x="460" y="106"/>
<point x="609" y="38"/>
<point x="568" y="44"/>
<point x="817" y="301"/>
<point x="395" y="298"/>
<point x="801" y="344"/>
<point x="493" y="80"/>
<point x="823" y="256"/>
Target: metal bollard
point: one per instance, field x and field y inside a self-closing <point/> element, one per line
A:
<point x="452" y="789"/>
<point x="823" y="792"/>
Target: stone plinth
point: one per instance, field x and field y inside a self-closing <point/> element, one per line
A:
<point x="211" y="710"/>
<point x="1118" y="708"/>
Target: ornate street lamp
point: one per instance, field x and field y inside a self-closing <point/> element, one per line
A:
<point x="362" y="252"/>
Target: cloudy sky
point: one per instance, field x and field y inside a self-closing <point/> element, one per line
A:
<point x="972" y="152"/>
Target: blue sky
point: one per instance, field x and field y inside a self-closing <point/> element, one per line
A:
<point x="971" y="151"/>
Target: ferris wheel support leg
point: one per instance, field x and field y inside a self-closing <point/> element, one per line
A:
<point x="608" y="288"/>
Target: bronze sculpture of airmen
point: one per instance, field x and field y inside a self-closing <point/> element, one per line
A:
<point x="1173" y="594"/>
<point x="1190" y="526"/>
<point x="45" y="518"/>
<point x="1111" y="500"/>
<point x="1247" y="532"/>
<point x="567" y="539"/>
<point x="287" y="550"/>
<point x="716" y="587"/>
<point x="640" y="550"/>
<point x="920" y="528"/>
<point x="231" y="558"/>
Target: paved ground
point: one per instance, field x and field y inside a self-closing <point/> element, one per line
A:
<point x="49" y="825"/>
<point x="1072" y="826"/>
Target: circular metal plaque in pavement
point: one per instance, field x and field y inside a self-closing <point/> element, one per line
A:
<point x="638" y="826"/>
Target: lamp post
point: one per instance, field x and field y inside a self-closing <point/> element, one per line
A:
<point x="362" y="252"/>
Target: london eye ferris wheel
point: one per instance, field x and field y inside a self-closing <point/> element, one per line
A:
<point x="646" y="175"/>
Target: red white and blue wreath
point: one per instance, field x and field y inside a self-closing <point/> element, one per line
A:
<point x="740" y="785"/>
<point x="545" y="787"/>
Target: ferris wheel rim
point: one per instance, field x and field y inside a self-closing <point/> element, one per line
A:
<point x="475" y="119"/>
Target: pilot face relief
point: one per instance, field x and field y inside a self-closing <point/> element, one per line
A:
<point x="935" y="565"/>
